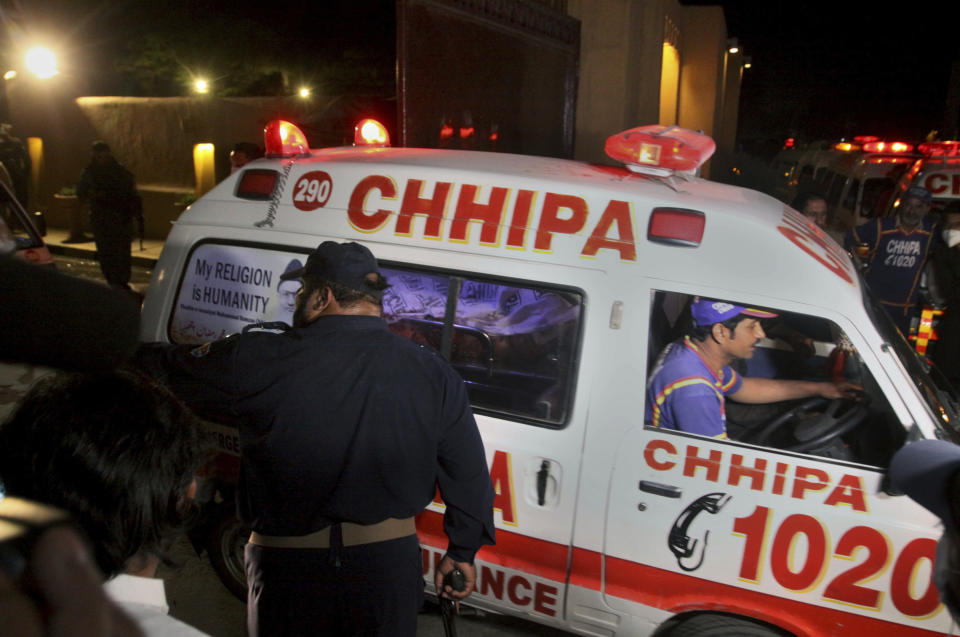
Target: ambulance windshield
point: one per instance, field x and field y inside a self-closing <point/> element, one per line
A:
<point x="936" y="390"/>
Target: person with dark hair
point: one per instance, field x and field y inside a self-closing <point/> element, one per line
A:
<point x="118" y="453"/>
<point x="692" y="377"/>
<point x="242" y="154"/>
<point x="895" y="251"/>
<point x="346" y="431"/>
<point x="111" y="194"/>
<point x="813" y="206"/>
<point x="287" y="290"/>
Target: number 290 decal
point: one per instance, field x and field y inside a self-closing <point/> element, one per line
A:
<point x="312" y="190"/>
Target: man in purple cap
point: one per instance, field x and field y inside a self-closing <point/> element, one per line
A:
<point x="929" y="472"/>
<point x="346" y="431"/>
<point x="896" y="251"/>
<point x="693" y="377"/>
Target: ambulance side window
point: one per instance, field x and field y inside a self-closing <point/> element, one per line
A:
<point x="514" y="344"/>
<point x="796" y="347"/>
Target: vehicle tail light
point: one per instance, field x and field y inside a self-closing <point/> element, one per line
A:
<point x="676" y="226"/>
<point x="888" y="147"/>
<point x="283" y="139"/>
<point x="660" y="150"/>
<point x="941" y="149"/>
<point x="370" y="132"/>
<point x="846" y="147"/>
<point x="257" y="184"/>
<point x="790" y="142"/>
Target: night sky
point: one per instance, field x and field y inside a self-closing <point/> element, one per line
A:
<point x="821" y="70"/>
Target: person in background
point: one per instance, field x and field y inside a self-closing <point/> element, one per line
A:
<point x="812" y="206"/>
<point x="929" y="472"/>
<point x="895" y="251"/>
<point x="946" y="263"/>
<point x="110" y="192"/>
<point x="118" y="453"/>
<point x="242" y="154"/>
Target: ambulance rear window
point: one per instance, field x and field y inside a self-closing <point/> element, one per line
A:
<point x="514" y="344"/>
<point x="257" y="184"/>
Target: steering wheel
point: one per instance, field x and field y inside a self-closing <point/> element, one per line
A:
<point x="813" y="426"/>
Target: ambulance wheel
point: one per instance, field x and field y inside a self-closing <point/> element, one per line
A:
<point x="714" y="625"/>
<point x="225" y="544"/>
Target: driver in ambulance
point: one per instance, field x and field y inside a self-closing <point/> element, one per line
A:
<point x="692" y="376"/>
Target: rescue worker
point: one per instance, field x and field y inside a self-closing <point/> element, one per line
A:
<point x="692" y="377"/>
<point x="346" y="431"/>
<point x="895" y="251"/>
<point x="111" y="194"/>
<point x="946" y="262"/>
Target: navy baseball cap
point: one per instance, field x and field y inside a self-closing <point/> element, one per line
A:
<point x="348" y="264"/>
<point x="920" y="193"/>
<point x="923" y="470"/>
<point x="706" y="312"/>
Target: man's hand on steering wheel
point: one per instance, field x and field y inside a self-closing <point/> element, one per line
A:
<point x="839" y="389"/>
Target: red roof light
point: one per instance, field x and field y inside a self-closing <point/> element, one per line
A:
<point x="283" y="139"/>
<point x="660" y="150"/>
<point x="941" y="149"/>
<point x="887" y="147"/>
<point x="866" y="139"/>
<point x="370" y="132"/>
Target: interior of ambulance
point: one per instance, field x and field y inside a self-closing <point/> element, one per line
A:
<point x="863" y="429"/>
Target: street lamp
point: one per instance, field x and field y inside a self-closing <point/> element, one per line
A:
<point x="201" y="86"/>
<point x="304" y="92"/>
<point x="42" y="62"/>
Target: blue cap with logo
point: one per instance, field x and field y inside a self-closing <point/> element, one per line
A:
<point x="706" y="312"/>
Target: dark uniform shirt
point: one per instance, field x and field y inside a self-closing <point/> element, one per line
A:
<point x="895" y="263"/>
<point x="340" y="421"/>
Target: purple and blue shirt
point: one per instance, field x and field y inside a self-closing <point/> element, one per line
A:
<point x="685" y="394"/>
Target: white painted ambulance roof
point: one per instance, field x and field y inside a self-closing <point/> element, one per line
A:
<point x="747" y="246"/>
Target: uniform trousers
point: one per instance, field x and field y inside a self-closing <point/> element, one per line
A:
<point x="367" y="590"/>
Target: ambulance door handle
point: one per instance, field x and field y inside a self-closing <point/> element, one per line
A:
<point x="542" y="476"/>
<point x="658" y="488"/>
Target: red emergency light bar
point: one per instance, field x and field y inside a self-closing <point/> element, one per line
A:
<point x="865" y="139"/>
<point x="846" y="147"/>
<point x="941" y="149"/>
<point x="887" y="147"/>
<point x="370" y="132"/>
<point x="660" y="150"/>
<point x="283" y="139"/>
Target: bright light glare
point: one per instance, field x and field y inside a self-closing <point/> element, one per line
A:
<point x="734" y="49"/>
<point x="304" y="92"/>
<point x="41" y="62"/>
<point x="9" y="75"/>
<point x="201" y="86"/>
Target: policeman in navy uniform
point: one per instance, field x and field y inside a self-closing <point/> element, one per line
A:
<point x="897" y="249"/>
<point x="346" y="431"/>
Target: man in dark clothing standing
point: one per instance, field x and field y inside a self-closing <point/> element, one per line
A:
<point x="346" y="431"/>
<point x="109" y="190"/>
<point x="946" y="262"/>
<point x="897" y="248"/>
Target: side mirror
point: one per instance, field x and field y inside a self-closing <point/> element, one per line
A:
<point x="40" y="222"/>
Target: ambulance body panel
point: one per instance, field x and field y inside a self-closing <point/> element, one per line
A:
<point x="604" y="527"/>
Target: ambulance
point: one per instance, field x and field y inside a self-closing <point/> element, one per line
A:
<point x="551" y="286"/>
<point x="938" y="171"/>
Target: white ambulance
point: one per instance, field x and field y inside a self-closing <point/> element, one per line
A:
<point x="551" y="286"/>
